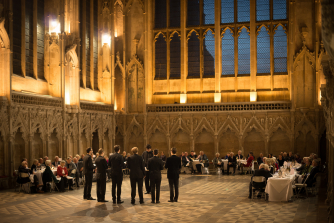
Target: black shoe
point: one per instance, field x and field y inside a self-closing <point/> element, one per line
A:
<point x="152" y="202"/>
<point x="133" y="202"/>
<point x="157" y="202"/>
<point x="103" y="201"/>
<point x="120" y="202"/>
<point x="170" y="200"/>
<point x="142" y="202"/>
<point x="91" y="199"/>
<point x="175" y="200"/>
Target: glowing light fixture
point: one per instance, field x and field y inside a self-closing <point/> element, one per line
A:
<point x="116" y="33"/>
<point x="183" y="98"/>
<point x="67" y="98"/>
<point x="54" y="27"/>
<point x="106" y="39"/>
<point x="253" y="96"/>
<point x="115" y="104"/>
<point x="218" y="97"/>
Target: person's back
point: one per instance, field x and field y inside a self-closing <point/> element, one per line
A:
<point x="136" y="166"/>
<point x="173" y="165"/>
<point x="87" y="164"/>
<point x="155" y="165"/>
<point x="116" y="164"/>
<point x="101" y="165"/>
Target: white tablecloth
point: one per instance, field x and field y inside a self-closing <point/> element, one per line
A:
<point x="39" y="175"/>
<point x="280" y="189"/>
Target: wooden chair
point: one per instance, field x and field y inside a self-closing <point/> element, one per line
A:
<point x="24" y="175"/>
<point x="300" y="187"/>
<point x="258" y="179"/>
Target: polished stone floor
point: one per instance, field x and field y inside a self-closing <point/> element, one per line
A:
<point x="203" y="198"/>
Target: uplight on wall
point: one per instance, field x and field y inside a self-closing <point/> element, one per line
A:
<point x="253" y="96"/>
<point x="218" y="97"/>
<point x="183" y="98"/>
<point x="54" y="27"/>
<point x="67" y="98"/>
<point x="106" y="39"/>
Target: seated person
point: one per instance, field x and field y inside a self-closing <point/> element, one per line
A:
<point x="163" y="157"/>
<point x="48" y="175"/>
<point x="218" y="163"/>
<point x="192" y="155"/>
<point x="71" y="167"/>
<point x="291" y="157"/>
<point x="82" y="157"/>
<point x="56" y="163"/>
<point x="260" y="172"/>
<point x="227" y="156"/>
<point x="270" y="155"/>
<point x="280" y="160"/>
<point x="260" y="159"/>
<point x="232" y="162"/>
<point x="307" y="168"/>
<point x="298" y="159"/>
<point x="62" y="172"/>
<point x="312" y="179"/>
<point x="202" y="159"/>
<point x="45" y="159"/>
<point x="77" y="173"/>
<point x="301" y="168"/>
<point x="249" y="161"/>
<point x="41" y="162"/>
<point x="239" y="156"/>
<point x="33" y="168"/>
<point x="186" y="160"/>
<point x="22" y="180"/>
<point x="285" y="157"/>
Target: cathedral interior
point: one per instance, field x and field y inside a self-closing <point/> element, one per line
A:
<point x="203" y="75"/>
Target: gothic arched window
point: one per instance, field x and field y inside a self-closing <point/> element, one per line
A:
<point x="280" y="50"/>
<point x="263" y="51"/>
<point x="160" y="57"/>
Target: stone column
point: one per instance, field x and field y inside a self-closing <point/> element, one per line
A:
<point x="253" y="57"/>
<point x="218" y="53"/>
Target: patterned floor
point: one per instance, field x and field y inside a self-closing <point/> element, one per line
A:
<point x="203" y="198"/>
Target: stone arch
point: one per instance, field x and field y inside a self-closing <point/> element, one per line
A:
<point x="228" y="142"/>
<point x="279" y="142"/>
<point x="253" y="124"/>
<point x="305" y="141"/>
<point x="156" y="126"/>
<point x="136" y="140"/>
<point x="53" y="147"/>
<point x="20" y="151"/>
<point x="204" y="141"/>
<point x="181" y="141"/>
<point x="158" y="140"/>
<point x="37" y="146"/>
<point x="224" y="31"/>
<point x="119" y="140"/>
<point x="255" y="142"/>
<point x="203" y="124"/>
<point x="83" y="140"/>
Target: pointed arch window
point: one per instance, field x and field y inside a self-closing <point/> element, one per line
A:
<point x="228" y="53"/>
<point x="209" y="54"/>
<point x="280" y="50"/>
<point x="262" y="10"/>
<point x="243" y="7"/>
<point x="279" y="9"/>
<point x="193" y="56"/>
<point x="160" y="14"/>
<point x="227" y="11"/>
<point x="175" y="57"/>
<point x="175" y="11"/>
<point x="160" y="57"/>
<point x="244" y="52"/>
<point x="263" y="51"/>
<point x="193" y="18"/>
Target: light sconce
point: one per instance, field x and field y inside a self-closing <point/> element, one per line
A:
<point x="218" y="97"/>
<point x="106" y="39"/>
<point x="67" y="98"/>
<point x="183" y="98"/>
<point x="55" y="27"/>
<point x="253" y="96"/>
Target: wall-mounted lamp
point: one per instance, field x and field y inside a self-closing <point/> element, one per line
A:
<point x="183" y="98"/>
<point x="253" y="96"/>
<point x="54" y="27"/>
<point x="106" y="39"/>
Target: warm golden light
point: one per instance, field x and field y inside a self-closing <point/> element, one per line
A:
<point x="115" y="33"/>
<point x="253" y="96"/>
<point x="183" y="98"/>
<point x="115" y="105"/>
<point x="218" y="97"/>
<point x="67" y="98"/>
<point x="54" y="27"/>
<point x="105" y="39"/>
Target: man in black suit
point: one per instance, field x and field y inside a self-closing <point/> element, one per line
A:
<point x="137" y="173"/>
<point x="146" y="156"/>
<point x="311" y="178"/>
<point x="260" y="172"/>
<point x="88" y="173"/>
<point x="192" y="155"/>
<point x="232" y="162"/>
<point x="116" y="163"/>
<point x="56" y="163"/>
<point x="173" y="164"/>
<point x="155" y="165"/>
<point x="101" y="179"/>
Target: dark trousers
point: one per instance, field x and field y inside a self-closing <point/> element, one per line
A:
<point x="199" y="168"/>
<point x="101" y="186"/>
<point x="228" y="168"/>
<point x="135" y="181"/>
<point x="155" y="184"/>
<point x="64" y="182"/>
<point x="174" y="184"/>
<point x="116" y="181"/>
<point x="147" y="182"/>
<point x="88" y="185"/>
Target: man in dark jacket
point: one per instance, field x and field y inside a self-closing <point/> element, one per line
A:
<point x="311" y="178"/>
<point x="88" y="173"/>
<point x="155" y="165"/>
<point x="173" y="164"/>
<point x="146" y="156"/>
<point x="232" y="162"/>
<point x="137" y="173"/>
<point x="116" y="163"/>
<point x="260" y="172"/>
<point x="101" y="180"/>
<point x="48" y="175"/>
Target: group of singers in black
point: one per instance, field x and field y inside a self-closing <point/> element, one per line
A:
<point x="147" y="166"/>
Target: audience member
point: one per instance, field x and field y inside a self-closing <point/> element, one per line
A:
<point x="227" y="156"/>
<point x="203" y="159"/>
<point x="56" y="163"/>
<point x="163" y="157"/>
<point x="48" y="175"/>
<point x="71" y="167"/>
<point x="218" y="162"/>
<point x="260" y="172"/>
<point x="62" y="172"/>
<point x="33" y="168"/>
<point x="249" y="161"/>
<point x="298" y="159"/>
<point x="260" y="159"/>
<point x="232" y="162"/>
<point x="45" y="159"/>
<point x="185" y="160"/>
<point x="192" y="155"/>
<point x="240" y="156"/>
<point x="22" y="180"/>
<point x="280" y="160"/>
<point x="270" y="155"/>
<point x="312" y="177"/>
<point x="82" y="157"/>
<point x="78" y="171"/>
<point x="41" y="162"/>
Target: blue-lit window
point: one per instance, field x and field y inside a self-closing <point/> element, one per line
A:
<point x="244" y="52"/>
<point x="193" y="13"/>
<point x="243" y="7"/>
<point x="263" y="51"/>
<point x="193" y="56"/>
<point x="227" y="11"/>
<point x="209" y="55"/>
<point x="228" y="53"/>
<point x="209" y="12"/>
<point x="160" y="58"/>
<point x="174" y="18"/>
<point x="175" y="57"/>
<point x="280" y="50"/>
<point x="160" y="14"/>
<point x="279" y="9"/>
<point x="262" y="10"/>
